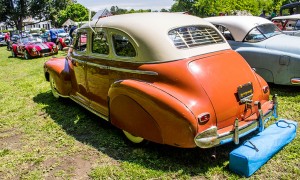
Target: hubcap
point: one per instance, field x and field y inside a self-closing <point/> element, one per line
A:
<point x="53" y="88"/>
<point x="132" y="138"/>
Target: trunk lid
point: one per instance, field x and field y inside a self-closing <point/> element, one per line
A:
<point x="220" y="76"/>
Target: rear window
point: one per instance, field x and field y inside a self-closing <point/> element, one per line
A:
<point x="194" y="36"/>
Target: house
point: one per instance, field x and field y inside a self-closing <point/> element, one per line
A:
<point x="30" y="22"/>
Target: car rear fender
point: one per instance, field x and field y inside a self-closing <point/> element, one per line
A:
<point x="144" y="110"/>
<point x="61" y="71"/>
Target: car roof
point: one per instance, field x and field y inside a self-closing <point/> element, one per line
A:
<point x="150" y="33"/>
<point x="292" y="17"/>
<point x="239" y="26"/>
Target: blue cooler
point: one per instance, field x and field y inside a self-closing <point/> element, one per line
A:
<point x="255" y="152"/>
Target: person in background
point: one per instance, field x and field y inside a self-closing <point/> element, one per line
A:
<point x="273" y="13"/>
<point x="263" y="14"/>
<point x="7" y="39"/>
<point x="72" y="30"/>
<point x="53" y="35"/>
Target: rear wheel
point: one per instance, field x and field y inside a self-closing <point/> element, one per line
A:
<point x="13" y="54"/>
<point x="27" y="55"/>
<point x="132" y="138"/>
<point x="60" y="47"/>
<point x="53" y="87"/>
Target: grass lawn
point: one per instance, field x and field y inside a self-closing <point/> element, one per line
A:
<point x="45" y="138"/>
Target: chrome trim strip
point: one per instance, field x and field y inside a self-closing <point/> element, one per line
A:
<point x="134" y="71"/>
<point x="88" y="108"/>
<point x="80" y="61"/>
<point x="97" y="65"/>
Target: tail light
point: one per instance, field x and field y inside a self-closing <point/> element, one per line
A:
<point x="203" y="118"/>
<point x="266" y="89"/>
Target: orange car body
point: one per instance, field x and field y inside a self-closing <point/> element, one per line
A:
<point x="206" y="99"/>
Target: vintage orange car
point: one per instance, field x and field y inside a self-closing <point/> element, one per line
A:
<point x="163" y="77"/>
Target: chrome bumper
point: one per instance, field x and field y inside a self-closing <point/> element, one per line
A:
<point x="295" y="81"/>
<point x="210" y="137"/>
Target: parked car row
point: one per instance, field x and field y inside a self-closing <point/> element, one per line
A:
<point x="172" y="79"/>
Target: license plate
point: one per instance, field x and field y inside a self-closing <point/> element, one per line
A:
<point x="245" y="91"/>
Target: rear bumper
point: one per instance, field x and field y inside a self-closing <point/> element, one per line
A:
<point x="211" y="138"/>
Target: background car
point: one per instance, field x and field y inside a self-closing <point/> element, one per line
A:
<point x="45" y="36"/>
<point x="164" y="77"/>
<point x="274" y="55"/>
<point x="289" y="25"/>
<point x="2" y="41"/>
<point x="63" y="39"/>
<point x="30" y="47"/>
<point x="14" y="38"/>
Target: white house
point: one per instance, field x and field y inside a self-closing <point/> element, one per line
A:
<point x="30" y="22"/>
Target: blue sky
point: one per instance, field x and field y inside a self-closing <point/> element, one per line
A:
<point x="127" y="4"/>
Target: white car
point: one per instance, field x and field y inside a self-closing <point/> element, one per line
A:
<point x="274" y="55"/>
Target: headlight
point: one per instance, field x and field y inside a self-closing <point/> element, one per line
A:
<point x="34" y="49"/>
<point x="54" y="46"/>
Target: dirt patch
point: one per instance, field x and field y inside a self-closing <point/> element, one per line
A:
<point x="70" y="167"/>
<point x="10" y="139"/>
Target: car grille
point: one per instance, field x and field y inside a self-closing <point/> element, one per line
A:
<point x="45" y="51"/>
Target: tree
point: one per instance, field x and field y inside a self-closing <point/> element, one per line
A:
<point x="75" y="12"/>
<point x="47" y="9"/>
<point x="214" y="7"/>
<point x="15" y="11"/>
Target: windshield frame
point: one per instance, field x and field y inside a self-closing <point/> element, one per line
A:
<point x="262" y="32"/>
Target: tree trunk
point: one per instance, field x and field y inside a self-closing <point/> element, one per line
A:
<point x="20" y="24"/>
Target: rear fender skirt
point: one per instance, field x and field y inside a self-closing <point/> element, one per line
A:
<point x="144" y="110"/>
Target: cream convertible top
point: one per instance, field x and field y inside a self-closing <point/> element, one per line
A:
<point x="150" y="33"/>
<point x="239" y="26"/>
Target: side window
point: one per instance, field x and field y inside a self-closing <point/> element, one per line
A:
<point x="123" y="46"/>
<point x="81" y="41"/>
<point x="99" y="43"/>
<point x="225" y="32"/>
<point x="254" y="36"/>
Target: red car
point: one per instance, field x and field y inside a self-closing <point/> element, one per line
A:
<point x="63" y="40"/>
<point x="30" y="47"/>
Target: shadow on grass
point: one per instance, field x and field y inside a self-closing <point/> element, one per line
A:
<point x="90" y="129"/>
<point x="284" y="91"/>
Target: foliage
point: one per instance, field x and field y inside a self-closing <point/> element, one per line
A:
<point x="214" y="7"/>
<point x="75" y="12"/>
<point x="116" y="10"/>
<point x="47" y="9"/>
<point x="16" y="11"/>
